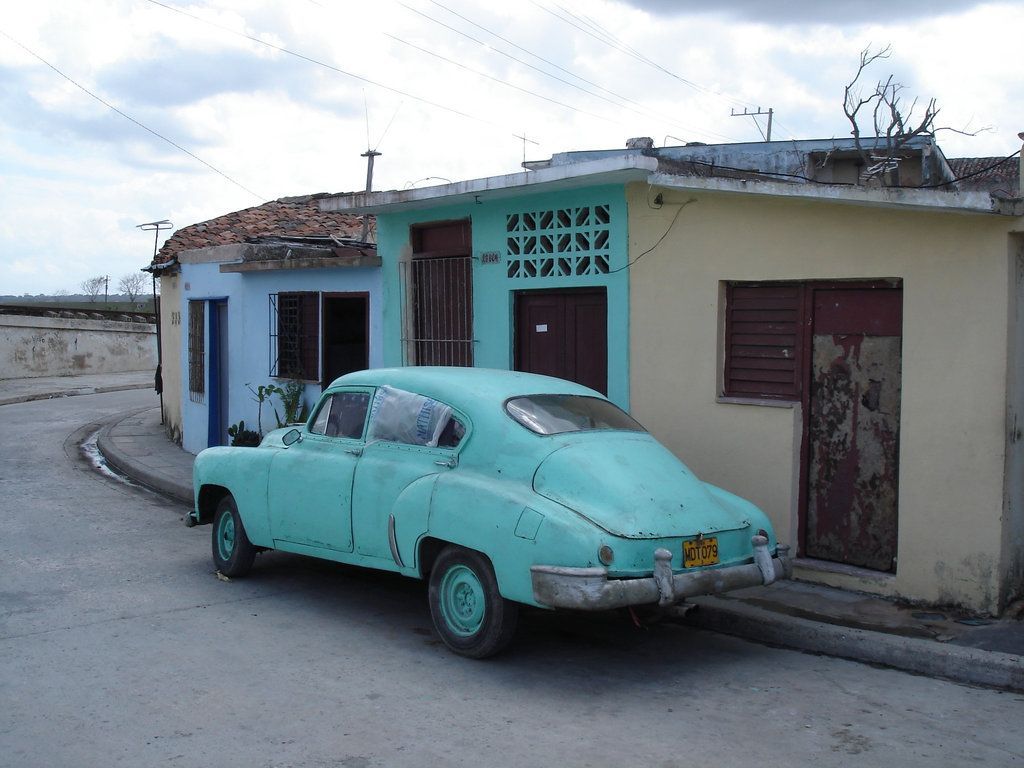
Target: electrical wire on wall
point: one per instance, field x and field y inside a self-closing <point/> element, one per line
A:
<point x="656" y="205"/>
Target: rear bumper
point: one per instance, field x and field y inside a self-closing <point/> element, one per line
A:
<point x="590" y="589"/>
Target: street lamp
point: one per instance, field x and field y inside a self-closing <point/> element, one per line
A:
<point x="156" y="227"/>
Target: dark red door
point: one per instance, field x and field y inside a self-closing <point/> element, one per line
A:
<point x="564" y="334"/>
<point x="853" y="426"/>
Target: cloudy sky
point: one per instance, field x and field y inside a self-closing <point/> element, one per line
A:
<point x="118" y="112"/>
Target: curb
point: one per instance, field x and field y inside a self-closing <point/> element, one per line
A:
<point x="924" y="657"/>
<point x="124" y="465"/>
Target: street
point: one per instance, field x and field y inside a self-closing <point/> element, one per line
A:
<point x="120" y="646"/>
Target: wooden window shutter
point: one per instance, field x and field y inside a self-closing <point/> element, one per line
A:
<point x="762" y="340"/>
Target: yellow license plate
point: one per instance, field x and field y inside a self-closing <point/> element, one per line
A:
<point x="700" y="552"/>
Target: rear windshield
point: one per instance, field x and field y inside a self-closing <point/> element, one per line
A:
<point x="554" y="414"/>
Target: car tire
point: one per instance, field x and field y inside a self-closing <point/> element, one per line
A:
<point x="468" y="611"/>
<point x="233" y="554"/>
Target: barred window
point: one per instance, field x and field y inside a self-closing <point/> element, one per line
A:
<point x="437" y="313"/>
<point x="295" y="335"/>
<point x="196" y="351"/>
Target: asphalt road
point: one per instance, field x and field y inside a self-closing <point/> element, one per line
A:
<point x="120" y="647"/>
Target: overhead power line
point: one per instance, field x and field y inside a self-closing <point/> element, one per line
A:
<point x="618" y="99"/>
<point x="507" y="84"/>
<point x="592" y="28"/>
<point x="319" y="63"/>
<point x="129" y="117"/>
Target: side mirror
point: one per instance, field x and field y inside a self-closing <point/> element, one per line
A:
<point x="291" y="437"/>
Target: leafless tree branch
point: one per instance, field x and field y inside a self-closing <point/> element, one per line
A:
<point x="892" y="122"/>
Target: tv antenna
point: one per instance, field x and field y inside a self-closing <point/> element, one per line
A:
<point x="754" y="116"/>
<point x="524" y="140"/>
<point x="370" y="154"/>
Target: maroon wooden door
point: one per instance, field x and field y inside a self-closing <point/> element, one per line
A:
<point x="563" y="334"/>
<point x="853" y="427"/>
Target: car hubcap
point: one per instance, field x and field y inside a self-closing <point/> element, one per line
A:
<point x="226" y="536"/>
<point x="462" y="600"/>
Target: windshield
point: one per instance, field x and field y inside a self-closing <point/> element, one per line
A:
<point x="554" y="414"/>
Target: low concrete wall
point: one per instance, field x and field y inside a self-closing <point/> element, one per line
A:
<point x="57" y="346"/>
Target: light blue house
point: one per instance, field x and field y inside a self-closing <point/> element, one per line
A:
<point x="274" y="294"/>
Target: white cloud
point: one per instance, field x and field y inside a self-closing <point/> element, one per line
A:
<point x="78" y="176"/>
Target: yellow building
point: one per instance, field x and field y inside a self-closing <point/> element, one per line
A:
<point x="848" y="357"/>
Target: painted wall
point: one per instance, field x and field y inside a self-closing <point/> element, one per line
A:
<point x="494" y="290"/>
<point x="170" y="354"/>
<point x="954" y="269"/>
<point x="248" y="318"/>
<point x="57" y="346"/>
<point x="1013" y="517"/>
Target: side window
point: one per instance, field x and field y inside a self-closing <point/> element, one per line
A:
<point x="295" y="335"/>
<point x="319" y="425"/>
<point x="343" y="414"/>
<point x="404" y="417"/>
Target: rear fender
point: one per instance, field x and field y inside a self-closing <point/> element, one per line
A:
<point x="496" y="519"/>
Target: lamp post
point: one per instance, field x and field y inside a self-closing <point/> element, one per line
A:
<point x="156" y="227"/>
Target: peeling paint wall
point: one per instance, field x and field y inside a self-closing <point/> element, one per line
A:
<point x="960" y="533"/>
<point x="44" y="346"/>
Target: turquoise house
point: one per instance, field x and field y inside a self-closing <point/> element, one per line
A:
<point x="526" y="271"/>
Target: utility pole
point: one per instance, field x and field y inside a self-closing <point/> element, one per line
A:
<point x="106" y="290"/>
<point x="369" y="155"/>
<point x="755" y="115"/>
<point x="156" y="227"/>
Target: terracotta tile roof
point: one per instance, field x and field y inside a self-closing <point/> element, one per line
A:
<point x="997" y="175"/>
<point x="289" y="216"/>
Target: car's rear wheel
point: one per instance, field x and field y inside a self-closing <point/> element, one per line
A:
<point x="469" y="613"/>
<point x="232" y="552"/>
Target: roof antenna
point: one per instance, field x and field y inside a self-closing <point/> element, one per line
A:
<point x="369" y="154"/>
<point x="524" y="139"/>
<point x="755" y="115"/>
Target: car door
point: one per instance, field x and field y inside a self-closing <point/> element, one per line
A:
<point x="310" y="490"/>
<point x="410" y="440"/>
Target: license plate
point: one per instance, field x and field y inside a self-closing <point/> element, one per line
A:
<point x="700" y="552"/>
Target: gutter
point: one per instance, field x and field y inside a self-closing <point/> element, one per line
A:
<point x="972" y="202"/>
<point x="618" y="169"/>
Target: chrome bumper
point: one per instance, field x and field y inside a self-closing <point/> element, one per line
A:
<point x="590" y="589"/>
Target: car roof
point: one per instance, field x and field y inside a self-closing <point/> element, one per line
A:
<point x="465" y="388"/>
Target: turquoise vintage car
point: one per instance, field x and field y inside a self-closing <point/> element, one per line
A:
<point x="500" y="488"/>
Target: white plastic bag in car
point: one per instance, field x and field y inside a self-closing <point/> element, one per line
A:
<point x="405" y="417"/>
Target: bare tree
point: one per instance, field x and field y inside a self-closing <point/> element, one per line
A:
<point x="93" y="286"/>
<point x="892" y="122"/>
<point x="132" y="284"/>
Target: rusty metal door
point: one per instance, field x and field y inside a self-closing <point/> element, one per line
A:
<point x="563" y="334"/>
<point x="853" y="427"/>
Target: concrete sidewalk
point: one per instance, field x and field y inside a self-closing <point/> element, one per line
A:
<point x="799" y="615"/>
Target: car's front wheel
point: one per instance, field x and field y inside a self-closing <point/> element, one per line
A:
<point x="232" y="552"/>
<point x="469" y="613"/>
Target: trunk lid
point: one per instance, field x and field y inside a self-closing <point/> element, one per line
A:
<point x="633" y="487"/>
